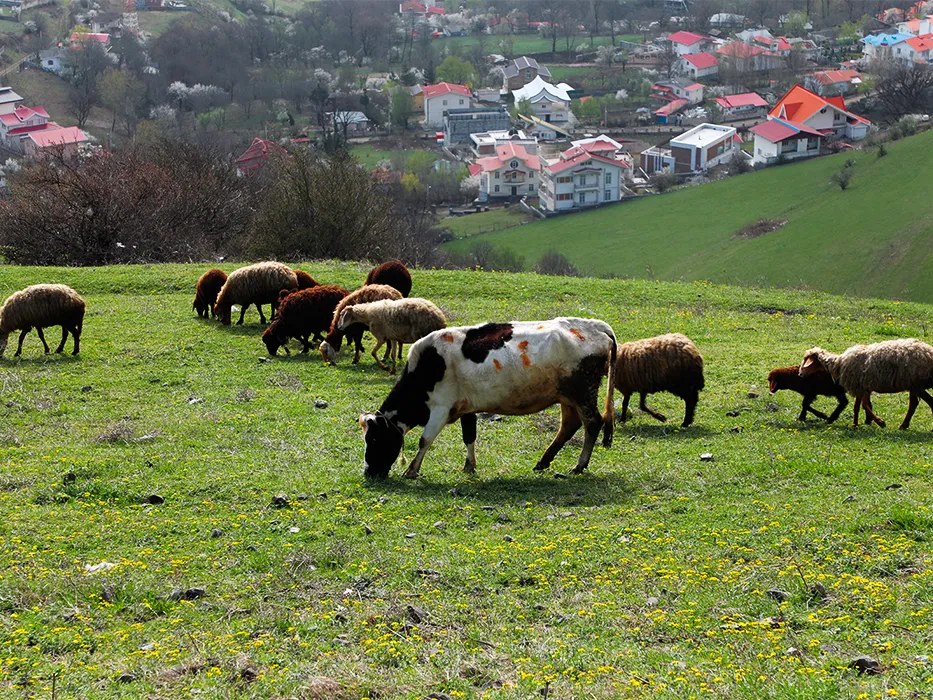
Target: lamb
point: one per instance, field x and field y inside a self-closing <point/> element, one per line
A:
<point x="664" y="363"/>
<point x="302" y="314"/>
<point x="888" y="367"/>
<point x="354" y="333"/>
<point x="205" y="294"/>
<point x="305" y="281"/>
<point x="394" y="322"/>
<point x="255" y="284"/>
<point x="41" y="306"/>
<point x="392" y="273"/>
<point x="819" y="383"/>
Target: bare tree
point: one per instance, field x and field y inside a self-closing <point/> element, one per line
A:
<point x="592" y="20"/>
<point x="901" y="89"/>
<point x="551" y="12"/>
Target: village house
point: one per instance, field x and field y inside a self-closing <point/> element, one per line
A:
<point x="779" y="139"/>
<point x="550" y="102"/>
<point x="776" y="45"/>
<point x="421" y="9"/>
<point x="679" y="88"/>
<point x="698" y="65"/>
<point x="748" y="58"/>
<point x="684" y="43"/>
<point x="511" y="172"/>
<point x="518" y="72"/>
<point x="697" y="150"/>
<point x="461" y="124"/>
<point x="877" y="47"/>
<point x="916" y="27"/>
<point x="9" y="100"/>
<point x="829" y="116"/>
<point x="916" y="49"/>
<point x="742" y="106"/>
<point x="485" y="143"/>
<point x="417" y="97"/>
<point x="580" y="178"/>
<point x="441" y="97"/>
<point x="61" y="142"/>
<point x="53" y="60"/>
<point x="541" y="130"/>
<point x="26" y="130"/>
<point x="829" y="83"/>
<point x="254" y="157"/>
<point x="611" y="148"/>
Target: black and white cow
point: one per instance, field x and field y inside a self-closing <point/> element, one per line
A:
<point x="508" y="368"/>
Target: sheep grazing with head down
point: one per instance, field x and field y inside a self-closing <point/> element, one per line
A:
<point x="205" y="294"/>
<point x="817" y="383"/>
<point x="394" y="322"/>
<point x="303" y="314"/>
<point x="305" y="281"/>
<point x="41" y="306"/>
<point x="354" y="332"/>
<point x="665" y="363"/>
<point x="255" y="284"/>
<point x="889" y="367"/>
<point x="392" y="273"/>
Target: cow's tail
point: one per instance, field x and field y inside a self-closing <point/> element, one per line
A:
<point x="609" y="417"/>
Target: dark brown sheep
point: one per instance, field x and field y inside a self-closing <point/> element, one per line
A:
<point x="303" y="314"/>
<point x="41" y="306"/>
<point x="354" y="333"/>
<point x="813" y="385"/>
<point x="305" y="281"/>
<point x="392" y="273"/>
<point x="205" y="294"/>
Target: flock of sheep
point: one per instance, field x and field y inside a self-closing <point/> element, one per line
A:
<point x="310" y="312"/>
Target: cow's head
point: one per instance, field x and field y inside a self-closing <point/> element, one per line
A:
<point x="384" y="438"/>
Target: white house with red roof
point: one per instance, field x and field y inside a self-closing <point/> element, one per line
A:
<point x="443" y="96"/>
<point x="511" y="172"/>
<point x="583" y="176"/>
<point x="827" y="115"/>
<point x="742" y="106"/>
<point x="916" y="49"/>
<point x="778" y="45"/>
<point x="748" y="57"/>
<point x="61" y="142"/>
<point x="829" y="83"/>
<point x="254" y="157"/>
<point x="679" y="89"/>
<point x="28" y="131"/>
<point x="777" y="139"/>
<point x="698" y="65"/>
<point x="684" y="43"/>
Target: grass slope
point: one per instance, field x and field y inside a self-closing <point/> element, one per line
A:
<point x="644" y="577"/>
<point x="872" y="240"/>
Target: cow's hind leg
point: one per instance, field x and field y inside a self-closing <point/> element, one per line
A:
<point x="435" y="424"/>
<point x="468" y="427"/>
<point x="592" y="422"/>
<point x="644" y="407"/>
<point x="569" y="424"/>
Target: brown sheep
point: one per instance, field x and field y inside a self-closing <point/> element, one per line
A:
<point x="305" y="281"/>
<point x="392" y="273"/>
<point x="41" y="306"/>
<point x="255" y="284"/>
<point x="354" y="333"/>
<point x="205" y="294"/>
<point x="302" y="314"/>
<point x="665" y="363"/>
<point x="816" y="384"/>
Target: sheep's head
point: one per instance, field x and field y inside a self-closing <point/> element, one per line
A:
<point x="812" y="362"/>
<point x="347" y="317"/>
<point x="223" y="313"/>
<point x="4" y="337"/>
<point x="774" y="381"/>
<point x="328" y="353"/>
<point x="273" y="341"/>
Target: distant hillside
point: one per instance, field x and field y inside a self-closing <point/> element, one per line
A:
<point x="874" y="239"/>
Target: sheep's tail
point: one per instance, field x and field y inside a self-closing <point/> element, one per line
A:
<point x="609" y="417"/>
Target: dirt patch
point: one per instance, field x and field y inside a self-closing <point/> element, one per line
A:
<point x="771" y="310"/>
<point x="759" y="228"/>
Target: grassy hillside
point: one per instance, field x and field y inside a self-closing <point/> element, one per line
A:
<point x="874" y="239"/>
<point x="645" y="577"/>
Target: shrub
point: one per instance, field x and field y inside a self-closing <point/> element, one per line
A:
<point x="740" y="165"/>
<point x="882" y="150"/>
<point x="486" y="256"/>
<point x="843" y="177"/>
<point x="662" y="181"/>
<point x="554" y="263"/>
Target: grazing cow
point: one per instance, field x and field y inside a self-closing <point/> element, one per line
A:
<point x="508" y="368"/>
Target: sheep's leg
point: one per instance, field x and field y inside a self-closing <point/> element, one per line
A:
<point x="870" y="413"/>
<point x="394" y="355"/>
<point x="358" y="345"/>
<point x="306" y="343"/>
<point x="625" y="399"/>
<point x="569" y="424"/>
<point x="436" y="423"/>
<point x="911" y="407"/>
<point x="262" y="316"/>
<point x="22" y="337"/>
<point x="644" y="407"/>
<point x="808" y="408"/>
<point x="76" y="334"/>
<point x="840" y="407"/>
<point x="468" y="427"/>
<point x="242" y="314"/>
<point x="855" y="410"/>
<point x="691" y="401"/>
<point x="42" y="338"/>
<point x="61" y="345"/>
<point x="375" y="354"/>
<point x="927" y="399"/>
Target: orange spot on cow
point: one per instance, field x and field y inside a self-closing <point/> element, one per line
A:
<point x="526" y="361"/>
<point x="523" y="346"/>
<point x="577" y="333"/>
<point x="497" y="363"/>
<point x="448" y="337"/>
<point x="540" y="328"/>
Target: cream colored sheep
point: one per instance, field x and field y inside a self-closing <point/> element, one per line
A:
<point x="394" y="322"/>
<point x="354" y="334"/>
<point x="889" y="367"/>
<point x="255" y="284"/>
<point x="41" y="306"/>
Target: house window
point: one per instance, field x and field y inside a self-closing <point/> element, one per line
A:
<point x="564" y="180"/>
<point x="582" y="181"/>
<point x="461" y="101"/>
<point x="445" y="103"/>
<point x="813" y="143"/>
<point x="789" y="146"/>
<point x="50" y="62"/>
<point x="497" y="188"/>
<point x="608" y="178"/>
<point x="531" y="188"/>
<point x="582" y="198"/>
<point x="607" y="195"/>
<point x="497" y="174"/>
<point x="564" y="197"/>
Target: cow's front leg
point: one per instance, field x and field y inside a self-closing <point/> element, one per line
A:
<point x="569" y="424"/>
<point x="468" y="427"/>
<point x="589" y="416"/>
<point x="435" y="424"/>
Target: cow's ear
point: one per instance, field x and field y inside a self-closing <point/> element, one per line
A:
<point x="366" y="420"/>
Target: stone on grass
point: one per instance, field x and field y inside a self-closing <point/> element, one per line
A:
<point x="416" y="614"/>
<point x="778" y="595"/>
<point x="321" y="403"/>
<point x="866" y="664"/>
<point x="155" y="500"/>
<point x="216" y="532"/>
<point x="706" y="457"/>
<point x="280" y="501"/>
<point x="126" y="678"/>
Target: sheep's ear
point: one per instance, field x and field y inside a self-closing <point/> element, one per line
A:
<point x="808" y="362"/>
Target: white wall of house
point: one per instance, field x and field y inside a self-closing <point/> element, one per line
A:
<point x="684" y="49"/>
<point x="591" y="183"/>
<point x="434" y="107"/>
<point x="768" y="152"/>
<point x="551" y="110"/>
<point x="687" y="68"/>
<point x="508" y="181"/>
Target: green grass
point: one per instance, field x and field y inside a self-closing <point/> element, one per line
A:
<point x="369" y="156"/>
<point x="874" y="239"/>
<point x="644" y="577"/>
<point x="529" y="43"/>
<point x="43" y="89"/>
<point x="492" y="220"/>
<point x="155" y="24"/>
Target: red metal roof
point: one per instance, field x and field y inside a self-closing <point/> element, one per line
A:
<point x="506" y="152"/>
<point x="701" y="60"/>
<point x="88" y="36"/>
<point x="799" y="104"/>
<point x="828" y="77"/>
<point x="686" y="38"/>
<point x="58" y="137"/>
<point x="577" y="156"/>
<point x="776" y="130"/>
<point x="254" y="156"/>
<point x="671" y="107"/>
<point x="921" y="43"/>
<point x="444" y="89"/>
<point x="739" y="50"/>
<point x="746" y="99"/>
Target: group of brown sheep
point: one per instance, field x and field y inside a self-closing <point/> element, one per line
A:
<point x="329" y="314"/>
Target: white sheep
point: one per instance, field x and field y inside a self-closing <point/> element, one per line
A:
<point x="255" y="284"/>
<point x="889" y="367"/>
<point x="41" y="306"/>
<point x="394" y="321"/>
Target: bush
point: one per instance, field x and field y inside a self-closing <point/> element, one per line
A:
<point x="882" y="150"/>
<point x="739" y="165"/>
<point x="903" y="127"/>
<point x="662" y="181"/>
<point x="486" y="256"/>
<point x="554" y="263"/>
<point x="843" y="177"/>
